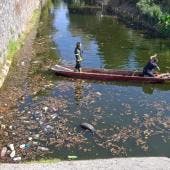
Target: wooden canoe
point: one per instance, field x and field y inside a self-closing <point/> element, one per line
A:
<point x="109" y="75"/>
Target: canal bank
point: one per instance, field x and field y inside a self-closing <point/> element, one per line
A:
<point x="150" y="16"/>
<point x="17" y="20"/>
<point x="150" y="163"/>
<point x="43" y="122"/>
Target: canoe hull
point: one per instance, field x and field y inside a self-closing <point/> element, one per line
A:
<point x="108" y="75"/>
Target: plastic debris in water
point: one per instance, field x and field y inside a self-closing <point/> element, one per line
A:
<point x="11" y="147"/>
<point x="42" y="148"/>
<point x="45" y="108"/>
<point x="72" y="157"/>
<point x="17" y="158"/>
<point x="12" y="154"/>
<point x="3" y="126"/>
<point x="35" y="143"/>
<point x="36" y="136"/>
<point x="3" y="151"/>
<point x="30" y="138"/>
<point x="98" y="93"/>
<point x="53" y="116"/>
<point x="24" y="146"/>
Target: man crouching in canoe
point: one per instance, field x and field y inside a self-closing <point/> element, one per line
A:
<point x="148" y="70"/>
<point x="78" y="55"/>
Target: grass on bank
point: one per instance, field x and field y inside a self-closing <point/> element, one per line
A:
<point x="15" y="45"/>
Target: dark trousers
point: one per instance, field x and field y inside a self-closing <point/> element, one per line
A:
<point x="148" y="73"/>
<point x="78" y="65"/>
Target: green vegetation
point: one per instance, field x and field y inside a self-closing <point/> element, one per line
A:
<point x="157" y="13"/>
<point x="15" y="45"/>
<point x="154" y="12"/>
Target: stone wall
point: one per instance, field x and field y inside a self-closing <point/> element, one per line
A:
<point x="14" y="18"/>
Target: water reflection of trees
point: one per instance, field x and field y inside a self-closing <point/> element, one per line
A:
<point x="78" y="90"/>
<point x="81" y="2"/>
<point x="117" y="43"/>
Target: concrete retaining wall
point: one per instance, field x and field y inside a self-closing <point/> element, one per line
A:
<point x="14" y="17"/>
<point x="150" y="163"/>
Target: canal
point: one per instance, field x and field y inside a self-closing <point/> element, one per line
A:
<point x="130" y="119"/>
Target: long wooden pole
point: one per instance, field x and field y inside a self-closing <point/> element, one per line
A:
<point x="63" y="67"/>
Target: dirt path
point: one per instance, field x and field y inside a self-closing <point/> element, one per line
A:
<point x="150" y="163"/>
<point x="15" y="85"/>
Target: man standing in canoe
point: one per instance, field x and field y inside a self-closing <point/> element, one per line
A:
<point x="78" y="55"/>
<point x="148" y="70"/>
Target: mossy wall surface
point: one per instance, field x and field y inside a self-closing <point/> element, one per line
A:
<point x="15" y="16"/>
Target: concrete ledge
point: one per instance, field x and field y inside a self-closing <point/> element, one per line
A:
<point x="147" y="163"/>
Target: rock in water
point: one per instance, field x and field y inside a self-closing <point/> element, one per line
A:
<point x="87" y="126"/>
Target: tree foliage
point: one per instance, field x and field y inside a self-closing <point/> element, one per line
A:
<point x="155" y="10"/>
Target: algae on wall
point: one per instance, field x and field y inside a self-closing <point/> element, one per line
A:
<point x="14" y="24"/>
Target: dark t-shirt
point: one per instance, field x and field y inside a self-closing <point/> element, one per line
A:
<point x="151" y="65"/>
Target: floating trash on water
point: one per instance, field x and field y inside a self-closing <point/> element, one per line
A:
<point x="3" y="151"/>
<point x="24" y="146"/>
<point x="35" y="143"/>
<point x="72" y="157"/>
<point x="42" y="148"/>
<point x="22" y="63"/>
<point x="36" y="62"/>
<point x="11" y="147"/>
<point x="12" y="154"/>
<point x="98" y="93"/>
<point x="53" y="116"/>
<point x="3" y="126"/>
<point x="30" y="138"/>
<point x="17" y="158"/>
<point x="45" y="108"/>
<point x="49" y="127"/>
<point x="36" y="136"/>
<point x="53" y="48"/>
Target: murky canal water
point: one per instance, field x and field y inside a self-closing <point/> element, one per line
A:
<point x="130" y="119"/>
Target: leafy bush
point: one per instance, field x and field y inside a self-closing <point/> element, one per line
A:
<point x="154" y="11"/>
<point x="149" y="8"/>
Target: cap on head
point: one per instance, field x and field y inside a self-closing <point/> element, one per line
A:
<point x="78" y="44"/>
<point x="153" y="56"/>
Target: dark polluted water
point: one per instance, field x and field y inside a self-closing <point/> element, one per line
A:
<point x="130" y="119"/>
